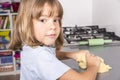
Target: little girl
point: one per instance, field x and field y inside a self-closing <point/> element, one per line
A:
<point x="38" y="34"/>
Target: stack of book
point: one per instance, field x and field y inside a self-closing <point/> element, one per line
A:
<point x="6" y="62"/>
<point x="4" y="39"/>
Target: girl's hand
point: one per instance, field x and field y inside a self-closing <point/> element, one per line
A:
<point x="79" y="53"/>
<point x="92" y="60"/>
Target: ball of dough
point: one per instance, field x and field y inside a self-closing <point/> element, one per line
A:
<point x="82" y="64"/>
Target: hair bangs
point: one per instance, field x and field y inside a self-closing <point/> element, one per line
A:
<point x="54" y="8"/>
<point x="37" y="9"/>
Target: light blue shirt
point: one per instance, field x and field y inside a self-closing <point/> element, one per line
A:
<point x="40" y="63"/>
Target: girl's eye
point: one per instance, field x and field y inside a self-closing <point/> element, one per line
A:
<point x="43" y="20"/>
<point x="56" y="20"/>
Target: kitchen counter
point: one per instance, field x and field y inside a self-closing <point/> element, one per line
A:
<point x="110" y="54"/>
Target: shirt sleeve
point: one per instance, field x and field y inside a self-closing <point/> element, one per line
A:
<point x="49" y="67"/>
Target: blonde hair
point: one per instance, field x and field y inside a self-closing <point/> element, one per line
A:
<point x="23" y="30"/>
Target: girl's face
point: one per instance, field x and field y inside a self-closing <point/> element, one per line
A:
<point x="46" y="28"/>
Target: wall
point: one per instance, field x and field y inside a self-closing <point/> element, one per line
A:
<point x="77" y="12"/>
<point x="106" y="13"/>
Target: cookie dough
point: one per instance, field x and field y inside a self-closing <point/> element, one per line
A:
<point x="82" y="64"/>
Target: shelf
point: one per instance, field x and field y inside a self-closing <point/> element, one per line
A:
<point x="14" y="13"/>
<point x="7" y="19"/>
<point x="4" y="14"/>
<point x="5" y="50"/>
<point x="17" y="72"/>
<point x="14" y="72"/>
<point x="9" y="73"/>
<point x="5" y="29"/>
<point x="7" y="69"/>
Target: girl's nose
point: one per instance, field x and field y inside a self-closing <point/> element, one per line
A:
<point x="52" y="25"/>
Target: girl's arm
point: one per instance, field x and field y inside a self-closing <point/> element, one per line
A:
<point x="72" y="55"/>
<point x="93" y="63"/>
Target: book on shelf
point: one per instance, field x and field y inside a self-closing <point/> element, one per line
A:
<point x="4" y="11"/>
<point x="4" y="46"/>
<point x="8" y="24"/>
<point x="5" y="33"/>
<point x="6" y="68"/>
<point x="1" y="22"/>
<point x="4" y="22"/>
<point x="6" y="56"/>
<point x="6" y="61"/>
<point x="3" y="53"/>
<point x="4" y="39"/>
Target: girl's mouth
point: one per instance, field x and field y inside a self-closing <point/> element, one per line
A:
<point x="52" y="35"/>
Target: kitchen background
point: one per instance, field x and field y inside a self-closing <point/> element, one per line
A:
<point x="105" y="13"/>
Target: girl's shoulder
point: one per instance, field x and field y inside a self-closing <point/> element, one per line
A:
<point x="39" y="49"/>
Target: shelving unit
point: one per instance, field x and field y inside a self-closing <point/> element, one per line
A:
<point x="9" y="62"/>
